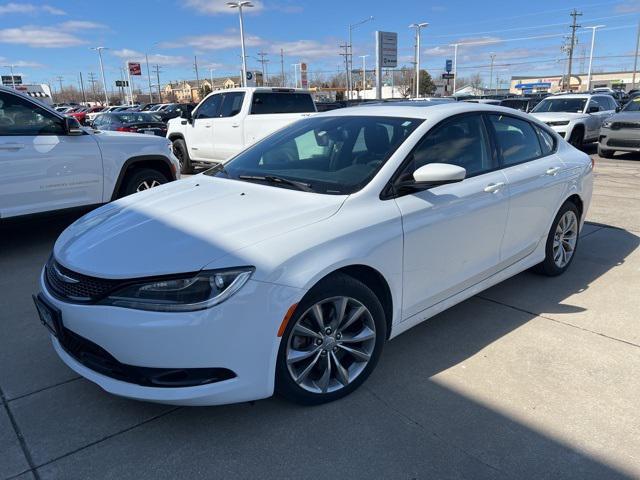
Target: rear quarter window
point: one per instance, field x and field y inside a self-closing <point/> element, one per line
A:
<point x="273" y="102"/>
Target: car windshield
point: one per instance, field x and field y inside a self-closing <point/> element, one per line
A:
<point x="137" y="117"/>
<point x="571" y="105"/>
<point x="332" y="155"/>
<point x="633" y="105"/>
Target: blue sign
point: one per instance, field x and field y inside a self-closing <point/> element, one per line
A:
<point x="533" y="85"/>
<point x="448" y="66"/>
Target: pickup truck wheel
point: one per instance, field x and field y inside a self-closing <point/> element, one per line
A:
<point x="182" y="154"/>
<point x="141" y="180"/>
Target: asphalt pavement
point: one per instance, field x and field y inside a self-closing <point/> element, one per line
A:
<point x="534" y="378"/>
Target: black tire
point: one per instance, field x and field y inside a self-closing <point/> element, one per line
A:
<point x="337" y="285"/>
<point x="577" y="137"/>
<point x="135" y="180"/>
<point x="549" y="267"/>
<point x="182" y="154"/>
<point x="604" y="153"/>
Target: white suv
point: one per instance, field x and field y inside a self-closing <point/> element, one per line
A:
<point x="48" y="162"/>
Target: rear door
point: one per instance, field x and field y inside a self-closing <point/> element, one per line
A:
<point x="41" y="167"/>
<point x="199" y="133"/>
<point x="228" y="127"/>
<point x="536" y="179"/>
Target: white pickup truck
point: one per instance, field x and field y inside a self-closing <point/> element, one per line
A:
<point x="228" y="121"/>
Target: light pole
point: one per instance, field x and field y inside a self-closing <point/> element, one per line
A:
<point x="455" y="66"/>
<point x="364" y="74"/>
<point x="493" y="59"/>
<point x="295" y="73"/>
<point x="240" y="6"/>
<point x="593" y="44"/>
<point x="350" y="53"/>
<point x="211" y="70"/>
<point x="104" y="82"/>
<point x="418" y="27"/>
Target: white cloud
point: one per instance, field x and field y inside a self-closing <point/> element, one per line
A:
<point x="632" y="6"/>
<point x="155" y="59"/>
<point x="39" y="37"/>
<point x="20" y="63"/>
<point x="306" y="49"/>
<point x="81" y="25"/>
<point x="29" y="8"/>
<point x="214" y="42"/>
<point x="215" y="7"/>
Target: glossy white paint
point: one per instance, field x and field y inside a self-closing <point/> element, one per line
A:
<point x="40" y="173"/>
<point x="434" y="248"/>
<point x="439" y="172"/>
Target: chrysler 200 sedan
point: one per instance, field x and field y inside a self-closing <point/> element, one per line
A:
<point x="288" y="268"/>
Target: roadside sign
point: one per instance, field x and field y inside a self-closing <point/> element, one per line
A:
<point x="448" y="66"/>
<point x="122" y="83"/>
<point x="448" y="76"/>
<point x="134" y="68"/>
<point x="388" y="49"/>
<point x="8" y="81"/>
<point x="304" y="76"/>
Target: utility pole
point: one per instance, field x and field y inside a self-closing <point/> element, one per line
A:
<point x="156" y="70"/>
<point x="104" y="82"/>
<point x="574" y="26"/>
<point x="282" y="67"/>
<point x="146" y="57"/>
<point x="493" y="58"/>
<point x="364" y="74"/>
<point x="262" y="62"/>
<point x="195" y="66"/>
<point x="84" y="97"/>
<point x="346" y="64"/>
<point x="59" y="79"/>
<point x="635" y="59"/>
<point x="92" y="80"/>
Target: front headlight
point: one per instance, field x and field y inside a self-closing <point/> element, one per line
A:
<point x="181" y="294"/>
<point x="558" y="124"/>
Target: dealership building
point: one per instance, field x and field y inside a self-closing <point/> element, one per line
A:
<point x="531" y="84"/>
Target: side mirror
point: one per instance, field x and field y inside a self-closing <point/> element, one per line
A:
<point x="593" y="109"/>
<point x="72" y="127"/>
<point x="433" y="175"/>
<point x="618" y="109"/>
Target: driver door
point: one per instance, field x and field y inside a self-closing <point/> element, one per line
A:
<point x="452" y="233"/>
<point x="200" y="131"/>
<point x="41" y="167"/>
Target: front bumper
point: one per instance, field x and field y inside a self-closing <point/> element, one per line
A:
<point x="239" y="335"/>
<point x="622" y="140"/>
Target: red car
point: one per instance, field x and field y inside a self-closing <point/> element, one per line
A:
<point x="80" y="113"/>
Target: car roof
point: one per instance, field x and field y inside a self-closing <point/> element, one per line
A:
<point x="428" y="110"/>
<point x="574" y="95"/>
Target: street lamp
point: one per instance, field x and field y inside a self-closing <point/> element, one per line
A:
<point x="364" y="74"/>
<point x="104" y="82"/>
<point x="593" y="44"/>
<point x="493" y="59"/>
<point x="240" y="6"/>
<point x="455" y="65"/>
<point x="350" y="53"/>
<point x="418" y="27"/>
<point x="295" y="72"/>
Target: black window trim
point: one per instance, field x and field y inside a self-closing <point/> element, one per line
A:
<point x="197" y="109"/>
<point x="224" y="96"/>
<point x="534" y="126"/>
<point x="49" y="111"/>
<point x="389" y="192"/>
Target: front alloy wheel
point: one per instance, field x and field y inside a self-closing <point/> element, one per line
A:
<point x="332" y="343"/>
<point x="147" y="184"/>
<point x="565" y="239"/>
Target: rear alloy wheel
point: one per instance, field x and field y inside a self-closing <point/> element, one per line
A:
<point x="142" y="180"/>
<point x="332" y="346"/>
<point x="562" y="241"/>
<point x="181" y="153"/>
<point x="577" y="138"/>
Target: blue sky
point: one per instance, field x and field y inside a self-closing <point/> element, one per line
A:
<point x="50" y="38"/>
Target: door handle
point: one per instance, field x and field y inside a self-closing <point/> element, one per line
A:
<point x="494" y="187"/>
<point x="235" y="125"/>
<point x="11" y="146"/>
<point x="553" y="171"/>
<point x="207" y="126"/>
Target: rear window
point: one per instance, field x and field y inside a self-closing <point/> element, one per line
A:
<point x="272" y="102"/>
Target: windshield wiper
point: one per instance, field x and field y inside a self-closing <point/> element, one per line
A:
<point x="305" y="187"/>
<point x="219" y="167"/>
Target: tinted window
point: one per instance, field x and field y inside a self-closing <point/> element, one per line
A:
<point x="210" y="107"/>
<point x="595" y="103"/>
<point x="137" y="117"/>
<point x="574" y="105"/>
<point x="633" y="105"/>
<point x="321" y="152"/>
<point x="21" y="117"/>
<point x="232" y="104"/>
<point x="517" y="141"/>
<point x="547" y="142"/>
<point x="460" y="141"/>
<point x="268" y="102"/>
<point x="517" y="104"/>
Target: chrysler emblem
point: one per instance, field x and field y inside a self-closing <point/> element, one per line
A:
<point x="62" y="277"/>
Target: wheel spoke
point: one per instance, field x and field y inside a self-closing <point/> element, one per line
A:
<point x="316" y="312"/>
<point x="365" y="334"/>
<point x="303" y="331"/>
<point x="295" y="356"/>
<point x="341" y="307"/>
<point x="341" y="373"/>
<point x="324" y="381"/>
<point x="355" y="353"/>
<point x="303" y="375"/>
<point x="355" y="315"/>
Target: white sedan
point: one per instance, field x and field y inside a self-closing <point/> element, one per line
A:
<point x="288" y="268"/>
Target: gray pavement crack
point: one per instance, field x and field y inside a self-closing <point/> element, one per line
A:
<point x="425" y="429"/>
<point x="608" y="337"/>
<point x="18" y="432"/>
<point x="43" y="389"/>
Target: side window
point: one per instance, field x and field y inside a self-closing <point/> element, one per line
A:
<point x="517" y="141"/>
<point x="461" y="141"/>
<point x="594" y="103"/>
<point x="21" y="117"/>
<point x="210" y="107"/>
<point x="232" y="104"/>
<point x="611" y="104"/>
<point x="547" y="142"/>
<point x="264" y="103"/>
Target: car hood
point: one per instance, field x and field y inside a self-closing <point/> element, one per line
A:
<point x="111" y="137"/>
<point x="559" y="116"/>
<point x="625" y="117"/>
<point x="183" y="226"/>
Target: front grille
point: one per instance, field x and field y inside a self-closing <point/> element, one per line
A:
<point x="96" y="358"/>
<point x="623" y="125"/>
<point x="616" y="142"/>
<point x="70" y="285"/>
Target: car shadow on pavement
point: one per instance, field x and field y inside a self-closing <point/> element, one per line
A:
<point x="450" y="398"/>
